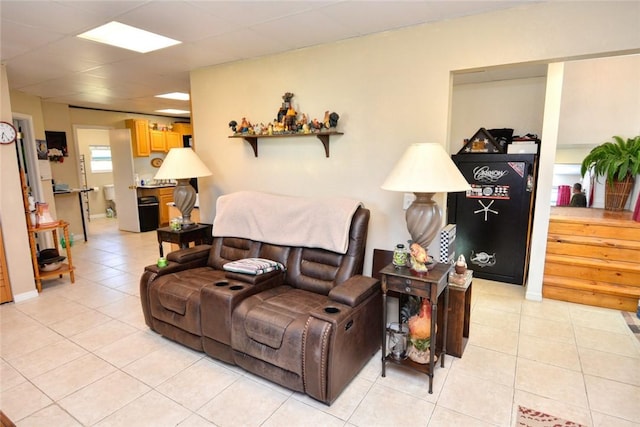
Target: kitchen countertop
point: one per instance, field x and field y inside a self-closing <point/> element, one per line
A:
<point x="156" y="186"/>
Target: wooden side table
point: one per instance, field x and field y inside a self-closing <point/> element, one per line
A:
<point x="459" y="314"/>
<point x="199" y="234"/>
<point x="430" y="285"/>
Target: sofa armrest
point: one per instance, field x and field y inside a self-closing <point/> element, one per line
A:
<point x="355" y="290"/>
<point x="187" y="255"/>
<point x="182" y="259"/>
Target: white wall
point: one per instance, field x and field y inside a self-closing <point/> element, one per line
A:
<point x="517" y="104"/>
<point x="390" y="89"/>
<point x="601" y="98"/>
<point x="87" y="137"/>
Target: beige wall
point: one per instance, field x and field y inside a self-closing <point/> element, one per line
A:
<point x="12" y="215"/>
<point x="390" y="89"/>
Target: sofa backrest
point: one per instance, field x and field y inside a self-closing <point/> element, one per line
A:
<point x="316" y="270"/>
<point x="319" y="270"/>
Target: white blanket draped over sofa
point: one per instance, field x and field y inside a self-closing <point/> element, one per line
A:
<point x="286" y="220"/>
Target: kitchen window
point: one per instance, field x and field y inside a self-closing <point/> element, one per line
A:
<point x="100" y="158"/>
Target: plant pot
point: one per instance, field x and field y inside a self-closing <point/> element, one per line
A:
<point x="617" y="193"/>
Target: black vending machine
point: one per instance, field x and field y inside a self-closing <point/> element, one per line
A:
<point x="494" y="219"/>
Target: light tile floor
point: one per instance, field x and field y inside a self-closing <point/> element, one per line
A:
<point x="81" y="354"/>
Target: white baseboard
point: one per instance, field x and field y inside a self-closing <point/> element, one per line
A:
<point x="25" y="296"/>
<point x="533" y="296"/>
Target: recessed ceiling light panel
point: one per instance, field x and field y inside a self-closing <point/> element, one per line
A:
<point x="173" y="111"/>
<point x="128" y="37"/>
<point x="180" y="96"/>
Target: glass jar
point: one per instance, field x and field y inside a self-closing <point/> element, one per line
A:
<point x="399" y="256"/>
<point x="175" y="224"/>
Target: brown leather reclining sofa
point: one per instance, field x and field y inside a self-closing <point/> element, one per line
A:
<point x="310" y="327"/>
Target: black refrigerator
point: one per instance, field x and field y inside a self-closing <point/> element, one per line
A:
<point x="494" y="219"/>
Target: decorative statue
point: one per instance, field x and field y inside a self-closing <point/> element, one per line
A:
<point x="245" y="125"/>
<point x="333" y="120"/>
<point x="233" y="125"/>
<point x="418" y="258"/>
<point x="290" y="119"/>
<point x="282" y="112"/>
<point x="461" y="265"/>
<point x="316" y="125"/>
<point x="325" y="122"/>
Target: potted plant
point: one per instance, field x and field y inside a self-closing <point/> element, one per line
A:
<point x="619" y="162"/>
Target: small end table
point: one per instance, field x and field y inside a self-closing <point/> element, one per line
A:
<point x="199" y="234"/>
<point x="430" y="285"/>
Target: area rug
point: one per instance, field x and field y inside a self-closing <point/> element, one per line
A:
<point x="633" y="322"/>
<point x="532" y="418"/>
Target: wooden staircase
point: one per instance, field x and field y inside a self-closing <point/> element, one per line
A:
<point x="593" y="258"/>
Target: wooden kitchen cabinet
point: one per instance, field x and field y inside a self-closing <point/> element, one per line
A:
<point x="164" y="140"/>
<point x="139" y="136"/>
<point x="183" y="128"/>
<point x="173" y="140"/>
<point x="165" y="196"/>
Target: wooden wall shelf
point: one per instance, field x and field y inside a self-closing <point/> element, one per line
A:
<point x="252" y="140"/>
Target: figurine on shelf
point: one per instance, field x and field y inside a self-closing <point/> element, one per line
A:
<point x="290" y="119"/>
<point x="333" y="120"/>
<point x="234" y="126"/>
<point x="419" y="258"/>
<point x="461" y="265"/>
<point x="245" y="125"/>
<point x="325" y="121"/>
<point x="316" y="125"/>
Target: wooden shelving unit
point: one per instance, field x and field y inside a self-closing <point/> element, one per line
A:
<point x="65" y="268"/>
<point x="324" y="137"/>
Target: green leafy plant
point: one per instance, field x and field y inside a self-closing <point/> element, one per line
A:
<point x="615" y="160"/>
<point x="421" y="344"/>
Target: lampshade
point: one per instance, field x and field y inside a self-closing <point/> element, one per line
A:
<point x="183" y="164"/>
<point x="425" y="169"/>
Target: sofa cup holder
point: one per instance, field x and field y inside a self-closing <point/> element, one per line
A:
<point x="332" y="310"/>
<point x="236" y="287"/>
<point x="222" y="283"/>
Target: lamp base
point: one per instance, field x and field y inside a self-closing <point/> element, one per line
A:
<point x="184" y="196"/>
<point x="424" y="219"/>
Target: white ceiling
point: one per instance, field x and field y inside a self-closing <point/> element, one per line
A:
<point x="45" y="58"/>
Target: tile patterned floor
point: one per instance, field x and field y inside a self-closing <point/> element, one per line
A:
<point x="80" y="354"/>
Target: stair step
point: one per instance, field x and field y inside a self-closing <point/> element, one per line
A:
<point x="580" y="228"/>
<point x="592" y="286"/>
<point x="595" y="241"/>
<point x="588" y="297"/>
<point x="614" y="250"/>
<point x="577" y="261"/>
